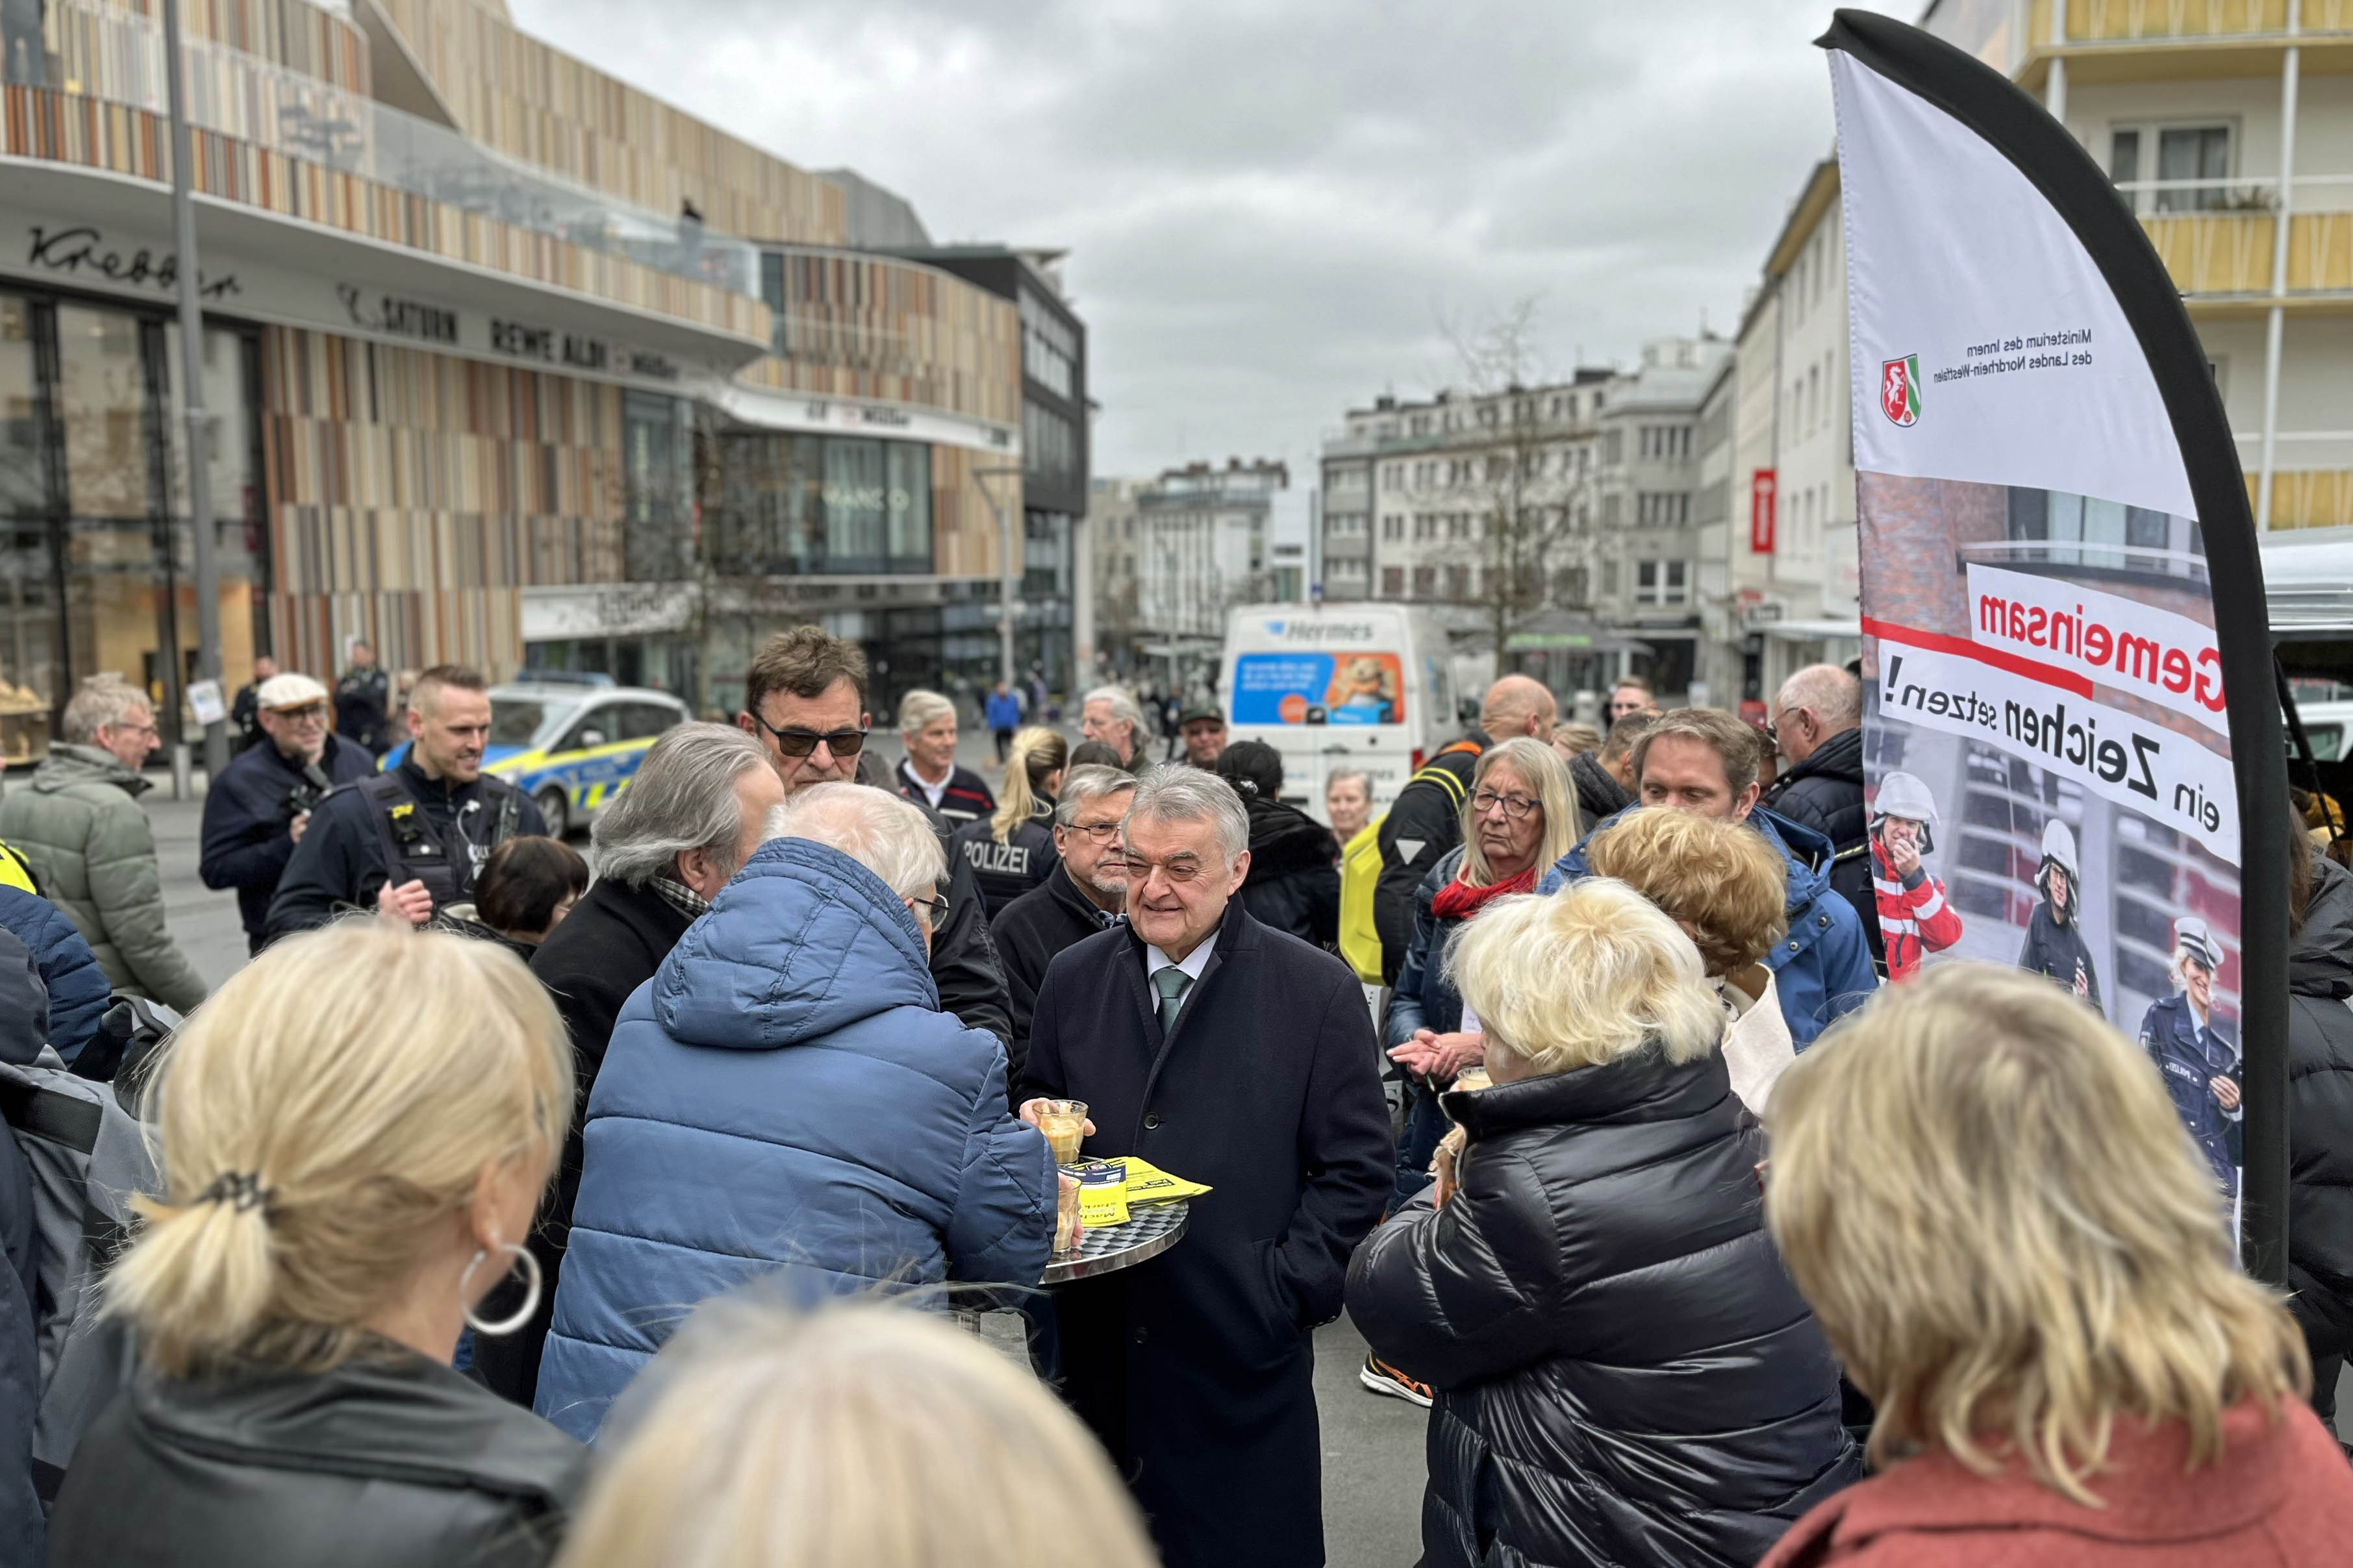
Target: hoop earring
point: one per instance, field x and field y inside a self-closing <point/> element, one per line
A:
<point x="523" y="1313"/>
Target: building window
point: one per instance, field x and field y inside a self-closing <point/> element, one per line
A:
<point x="1610" y="509"/>
<point x="792" y="505"/>
<point x="1393" y="527"/>
<point x="1050" y="446"/>
<point x="1666" y="443"/>
<point x="1660" y="582"/>
<point x="1458" y="582"/>
<point x="1662" y="509"/>
<point x="2169" y="155"/>
<point x="657" y="474"/>
<point x="1609" y="579"/>
<point x="1392" y="582"/>
<point x="1050" y="349"/>
<point x="1425" y="582"/>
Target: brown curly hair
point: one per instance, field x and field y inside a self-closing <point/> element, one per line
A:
<point x="1719" y="881"/>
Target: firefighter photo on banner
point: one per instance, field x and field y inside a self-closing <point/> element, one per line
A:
<point x="2048" y="507"/>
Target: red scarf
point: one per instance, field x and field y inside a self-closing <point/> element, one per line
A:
<point x="1458" y="901"/>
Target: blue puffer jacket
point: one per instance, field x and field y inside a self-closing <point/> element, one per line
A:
<point x="77" y="987"/>
<point x="784" y="1092"/>
<point x="1823" y="968"/>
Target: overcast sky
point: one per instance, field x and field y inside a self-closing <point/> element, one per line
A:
<point x="1274" y="207"/>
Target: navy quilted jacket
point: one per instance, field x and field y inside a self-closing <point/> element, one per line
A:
<point x="786" y="1091"/>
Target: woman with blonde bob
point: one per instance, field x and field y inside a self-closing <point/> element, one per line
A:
<point x="1985" y="1191"/>
<point x="1726" y="888"/>
<point x="862" y="1434"/>
<point x="343" y="1183"/>
<point x="1623" y="1372"/>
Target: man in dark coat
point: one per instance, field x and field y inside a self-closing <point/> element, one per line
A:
<point x="804" y="703"/>
<point x="704" y="786"/>
<point x="361" y="696"/>
<point x="1817" y="728"/>
<point x="1235" y="1055"/>
<point x="259" y="807"/>
<point x="23" y="1027"/>
<point x="245" y="712"/>
<point x="2320" y="1118"/>
<point x="1085" y="893"/>
<point x="1426" y="819"/>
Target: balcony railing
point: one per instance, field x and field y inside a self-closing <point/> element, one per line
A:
<point x="101" y="52"/>
<point x="2134" y="21"/>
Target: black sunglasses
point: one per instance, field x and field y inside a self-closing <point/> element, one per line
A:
<point x="797" y="743"/>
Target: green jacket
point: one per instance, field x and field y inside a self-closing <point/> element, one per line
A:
<point x="79" y="822"/>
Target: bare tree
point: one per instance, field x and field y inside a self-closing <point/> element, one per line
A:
<point x="1529" y="524"/>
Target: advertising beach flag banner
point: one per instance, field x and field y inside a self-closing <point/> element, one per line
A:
<point x="2074" y="763"/>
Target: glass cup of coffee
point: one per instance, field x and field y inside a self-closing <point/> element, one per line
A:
<point x="1066" y="1214"/>
<point x="1064" y="1123"/>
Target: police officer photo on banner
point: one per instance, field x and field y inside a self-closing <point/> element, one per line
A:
<point x="2061" y="731"/>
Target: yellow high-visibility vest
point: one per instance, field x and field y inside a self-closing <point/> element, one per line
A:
<point x="1360" y="869"/>
<point x="16" y="871"/>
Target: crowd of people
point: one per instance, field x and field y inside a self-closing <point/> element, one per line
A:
<point x="513" y="1208"/>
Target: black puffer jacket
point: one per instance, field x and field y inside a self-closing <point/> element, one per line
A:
<point x="1599" y="793"/>
<point x="1005" y="871"/>
<point x="2320" y="1114"/>
<point x="1625" y="1373"/>
<point x="392" y="1463"/>
<point x="1825" y="793"/>
<point x="1294" y="877"/>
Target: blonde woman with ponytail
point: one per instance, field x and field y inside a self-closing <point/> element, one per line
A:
<point x="344" y="1183"/>
<point x="1013" y="850"/>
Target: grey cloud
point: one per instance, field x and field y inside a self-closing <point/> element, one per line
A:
<point x="1271" y="204"/>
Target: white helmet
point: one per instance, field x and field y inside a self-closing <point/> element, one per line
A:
<point x="1902" y="795"/>
<point x="2059" y="845"/>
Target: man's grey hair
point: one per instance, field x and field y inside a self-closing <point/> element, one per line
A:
<point x="1194" y="794"/>
<point x="103" y="700"/>
<point x="1342" y="775"/>
<point x="1835" y="697"/>
<point x="872" y="826"/>
<point x="1086" y="783"/>
<point x="1123" y="707"/>
<point x="683" y="797"/>
<point x="920" y="709"/>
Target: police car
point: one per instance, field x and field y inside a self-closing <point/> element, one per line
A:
<point x="569" y="744"/>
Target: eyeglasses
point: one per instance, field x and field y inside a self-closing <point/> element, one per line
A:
<point x="1098" y="831"/>
<point x="1140" y="870"/>
<point x="1518" y="807"/>
<point x="935" y="911"/>
<point x="800" y="742"/>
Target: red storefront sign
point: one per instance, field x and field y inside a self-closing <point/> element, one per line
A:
<point x="1762" y="494"/>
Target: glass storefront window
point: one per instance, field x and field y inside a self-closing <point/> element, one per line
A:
<point x="812" y="505"/>
<point x="657" y="460"/>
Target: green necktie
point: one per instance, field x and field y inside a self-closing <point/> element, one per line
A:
<point x="1172" y="983"/>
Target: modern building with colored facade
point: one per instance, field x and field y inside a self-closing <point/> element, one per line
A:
<point x="506" y="362"/>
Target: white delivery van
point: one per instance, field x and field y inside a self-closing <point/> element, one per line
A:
<point x="1359" y="686"/>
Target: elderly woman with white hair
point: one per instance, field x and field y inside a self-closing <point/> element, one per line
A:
<point x="1624" y="1373"/>
<point x="786" y="1092"/>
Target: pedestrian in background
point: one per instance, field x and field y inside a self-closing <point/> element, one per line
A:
<point x="1725" y="889"/>
<point x="1003" y="716"/>
<point x="342" y="1183"/>
<point x="1624" y="1373"/>
<point x="929" y="772"/>
<point x="865" y="1434"/>
<point x="692" y="815"/>
<point x="1294" y="883"/>
<point x="1604" y="776"/>
<point x="1230" y="1055"/>
<point x="1632" y="694"/>
<point x="1817" y="727"/>
<point x="1012" y="851"/>
<point x="1203" y="726"/>
<point x="1348" y="802"/>
<point x="2320" y="1113"/>
<point x="1109" y="715"/>
<point x="362" y="703"/>
<point x="79" y="825"/>
<point x="244" y="714"/>
<point x="1986" y="1195"/>
<point x="785" y="1093"/>
<point x="258" y="808"/>
<point x="1517" y="820"/>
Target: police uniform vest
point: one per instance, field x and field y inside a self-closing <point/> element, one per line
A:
<point x="418" y="849"/>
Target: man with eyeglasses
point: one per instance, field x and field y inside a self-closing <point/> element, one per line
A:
<point x="1237" y="1055"/>
<point x="804" y="702"/>
<point x="259" y="807"/>
<point x="79" y="824"/>
<point x="1086" y="894"/>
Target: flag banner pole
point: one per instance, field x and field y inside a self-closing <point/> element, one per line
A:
<point x="2074" y="761"/>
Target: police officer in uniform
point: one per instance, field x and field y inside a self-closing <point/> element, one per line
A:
<point x="410" y="840"/>
<point x="2199" y="1062"/>
<point x="2055" y="931"/>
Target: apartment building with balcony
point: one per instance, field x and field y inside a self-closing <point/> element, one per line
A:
<point x="506" y="362"/>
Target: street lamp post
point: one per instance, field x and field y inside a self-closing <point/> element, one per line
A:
<point x="1006" y="604"/>
<point x="192" y="402"/>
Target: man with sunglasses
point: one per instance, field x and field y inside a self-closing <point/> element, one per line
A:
<point x="259" y="807"/>
<point x="804" y="702"/>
